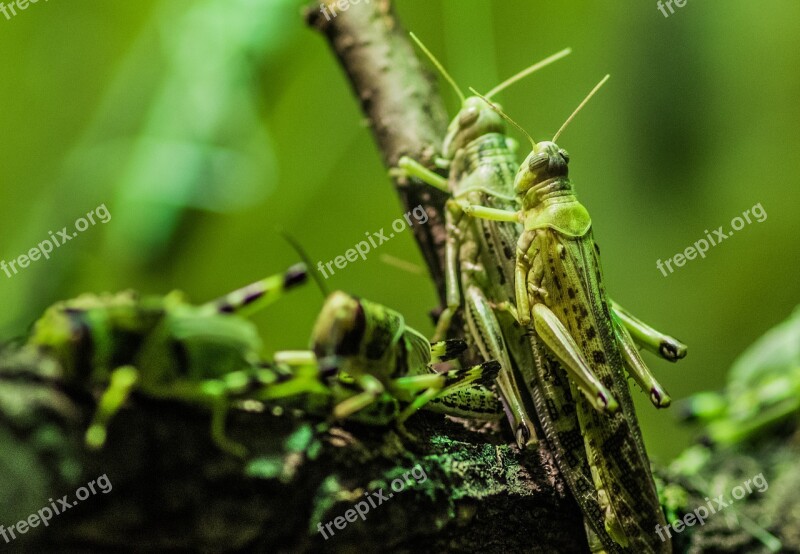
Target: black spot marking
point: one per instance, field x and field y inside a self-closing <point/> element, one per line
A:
<point x="381" y="339"/>
<point x="453" y="348"/>
<point x="489" y="371"/>
<point x="599" y="357"/>
<point x="351" y="341"/>
<point x="669" y="351"/>
<point x="295" y="275"/>
<point x="591" y="333"/>
<point x="571" y="292"/>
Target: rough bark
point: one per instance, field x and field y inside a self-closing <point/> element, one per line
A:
<point x="173" y="490"/>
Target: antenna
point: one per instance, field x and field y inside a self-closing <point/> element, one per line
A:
<point x="580" y="107"/>
<point x="504" y="116"/>
<point x="304" y="256"/>
<point x="399" y="263"/>
<point x="525" y="72"/>
<point x="438" y="66"/>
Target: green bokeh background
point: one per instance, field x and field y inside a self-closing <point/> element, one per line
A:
<point x="699" y="123"/>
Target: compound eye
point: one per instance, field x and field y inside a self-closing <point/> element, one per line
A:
<point x="537" y="162"/>
<point x="468" y="117"/>
<point x="564" y="155"/>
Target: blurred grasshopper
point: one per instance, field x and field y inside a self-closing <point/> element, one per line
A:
<point x="301" y="384"/>
<point x="763" y="389"/>
<point x="589" y="418"/>
<point x="366" y="348"/>
<point x="479" y="254"/>
<point x="163" y="347"/>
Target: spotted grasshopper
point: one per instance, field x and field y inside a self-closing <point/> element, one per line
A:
<point x="479" y="254"/>
<point x="366" y="364"/>
<point x="582" y="340"/>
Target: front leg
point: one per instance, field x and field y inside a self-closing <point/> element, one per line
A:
<point x="408" y="167"/>
<point x="123" y="381"/>
<point x="372" y="387"/>
<point x="521" y="270"/>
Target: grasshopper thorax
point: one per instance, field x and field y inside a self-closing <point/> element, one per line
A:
<point x="475" y="119"/>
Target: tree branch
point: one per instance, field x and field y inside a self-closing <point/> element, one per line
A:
<point x="400" y="100"/>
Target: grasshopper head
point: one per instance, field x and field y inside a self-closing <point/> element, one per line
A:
<point x="339" y="330"/>
<point x="67" y="330"/>
<point x="475" y="119"/>
<point x="63" y="334"/>
<point x="546" y="162"/>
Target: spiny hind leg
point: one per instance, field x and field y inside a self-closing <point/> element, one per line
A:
<point x="636" y="366"/>
<point x="256" y="296"/>
<point x="557" y="338"/>
<point x="445" y="350"/>
<point x="667" y="347"/>
<point x="123" y="380"/>
<point x="437" y="385"/>
<point x="486" y="330"/>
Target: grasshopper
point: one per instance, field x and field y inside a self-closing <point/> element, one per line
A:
<point x="364" y="351"/>
<point x="479" y="254"/>
<point x="581" y="341"/>
<point x="162" y="346"/>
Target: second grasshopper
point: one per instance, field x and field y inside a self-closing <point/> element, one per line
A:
<point x="479" y="254"/>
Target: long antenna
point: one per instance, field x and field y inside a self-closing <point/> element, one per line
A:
<point x="580" y="107"/>
<point x="504" y="116"/>
<point x="438" y="66"/>
<point x="525" y="72"/>
<point x="304" y="256"/>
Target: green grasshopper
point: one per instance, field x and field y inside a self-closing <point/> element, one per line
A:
<point x="479" y="254"/>
<point x="363" y="354"/>
<point x="318" y="393"/>
<point x="580" y="334"/>
<point x="763" y="389"/>
<point x="162" y="346"/>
